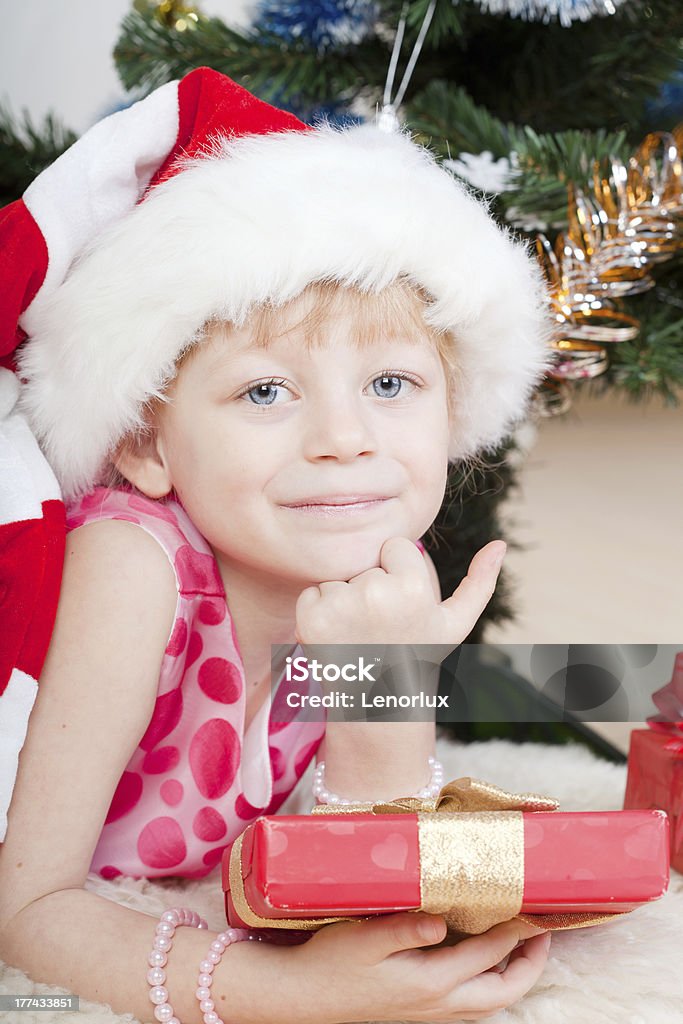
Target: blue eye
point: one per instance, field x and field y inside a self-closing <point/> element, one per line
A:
<point x="387" y="385"/>
<point x="390" y="386"/>
<point x="258" y="389"/>
<point x="388" y="380"/>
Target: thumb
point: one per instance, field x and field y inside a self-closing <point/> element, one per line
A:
<point x="389" y="933"/>
<point x="468" y="601"/>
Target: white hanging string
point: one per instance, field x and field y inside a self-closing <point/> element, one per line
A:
<point x="387" y="119"/>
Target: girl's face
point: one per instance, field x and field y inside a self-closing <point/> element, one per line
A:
<point x="244" y="453"/>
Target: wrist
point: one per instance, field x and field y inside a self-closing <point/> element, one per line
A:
<point x="372" y="748"/>
<point x="377" y="760"/>
<point x="430" y="789"/>
<point x="238" y="989"/>
<point x="289" y="994"/>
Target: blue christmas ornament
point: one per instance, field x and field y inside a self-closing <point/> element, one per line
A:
<point x="325" y="26"/>
<point x="332" y="111"/>
<point x="667" y="108"/>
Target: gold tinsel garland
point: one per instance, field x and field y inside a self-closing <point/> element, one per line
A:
<point x="621" y="226"/>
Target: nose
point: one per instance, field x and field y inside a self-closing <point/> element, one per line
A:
<point x="338" y="428"/>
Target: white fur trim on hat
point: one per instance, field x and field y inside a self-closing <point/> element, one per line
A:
<point x="259" y="220"/>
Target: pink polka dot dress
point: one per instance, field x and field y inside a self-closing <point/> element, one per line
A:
<point x="196" y="779"/>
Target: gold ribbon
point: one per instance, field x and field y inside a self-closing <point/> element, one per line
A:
<point x="457" y="858"/>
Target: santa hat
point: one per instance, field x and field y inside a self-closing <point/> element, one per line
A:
<point x="242" y="203"/>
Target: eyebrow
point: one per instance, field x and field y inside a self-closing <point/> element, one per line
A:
<point x="224" y="360"/>
<point x="228" y="359"/>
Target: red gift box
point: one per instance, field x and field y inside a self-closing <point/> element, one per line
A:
<point x="655" y="780"/>
<point x="299" y="867"/>
<point x="655" y="761"/>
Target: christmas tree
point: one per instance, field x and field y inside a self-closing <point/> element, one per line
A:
<point x="565" y="115"/>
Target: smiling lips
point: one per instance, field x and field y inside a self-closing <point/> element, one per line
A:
<point x="335" y="500"/>
<point x="340" y="504"/>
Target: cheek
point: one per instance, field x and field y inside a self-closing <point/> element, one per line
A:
<point x="424" y="446"/>
<point x="426" y="459"/>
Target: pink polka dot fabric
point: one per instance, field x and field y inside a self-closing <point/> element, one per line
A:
<point x="196" y="779"/>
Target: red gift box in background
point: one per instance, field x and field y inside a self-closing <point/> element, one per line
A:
<point x="308" y="866"/>
<point x="655" y="761"/>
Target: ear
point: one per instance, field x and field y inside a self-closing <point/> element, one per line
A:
<point x="141" y="462"/>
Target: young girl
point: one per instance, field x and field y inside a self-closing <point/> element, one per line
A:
<point x="249" y="386"/>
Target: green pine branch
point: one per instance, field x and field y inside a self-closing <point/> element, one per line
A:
<point x="446" y="119"/>
<point x="555" y="79"/>
<point x="596" y="74"/>
<point x="148" y="54"/>
<point x="447" y="22"/>
<point x="26" y="149"/>
<point x="549" y="163"/>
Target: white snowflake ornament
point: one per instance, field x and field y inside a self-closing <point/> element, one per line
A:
<point x="485" y="173"/>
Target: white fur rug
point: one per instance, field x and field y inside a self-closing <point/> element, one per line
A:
<point x="625" y="972"/>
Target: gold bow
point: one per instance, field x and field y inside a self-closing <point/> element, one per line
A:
<point x="460" y="795"/>
<point x="457" y="856"/>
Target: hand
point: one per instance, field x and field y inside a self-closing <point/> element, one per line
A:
<point x="375" y="970"/>
<point x="395" y="604"/>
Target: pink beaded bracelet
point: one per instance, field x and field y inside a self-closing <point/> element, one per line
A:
<point x="207" y="966"/>
<point x="158" y="958"/>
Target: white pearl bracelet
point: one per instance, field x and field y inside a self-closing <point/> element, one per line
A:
<point x="324" y="796"/>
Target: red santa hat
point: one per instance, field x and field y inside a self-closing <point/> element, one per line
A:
<point x="203" y="201"/>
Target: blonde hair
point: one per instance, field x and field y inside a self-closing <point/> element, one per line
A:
<point x="397" y="309"/>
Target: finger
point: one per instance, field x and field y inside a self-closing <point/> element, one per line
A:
<point x="470" y="598"/>
<point x="528" y="930"/>
<point x="367" y="574"/>
<point x="332" y="586"/>
<point x="306" y="601"/>
<point x="388" y="933"/>
<point x="500" y="967"/>
<point x="402" y="558"/>
<point x="487" y="558"/>
<point x="493" y="990"/>
<point x="310" y="596"/>
<point x="306" y="598"/>
<point x="478" y="953"/>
